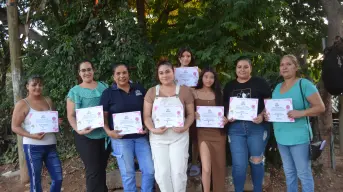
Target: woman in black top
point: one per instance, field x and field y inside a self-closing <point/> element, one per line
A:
<point x="247" y="139"/>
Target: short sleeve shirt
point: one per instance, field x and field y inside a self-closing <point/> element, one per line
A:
<point x="83" y="98"/>
<point x="115" y="100"/>
<point x="297" y="132"/>
<point x="185" y="95"/>
<point x="255" y="87"/>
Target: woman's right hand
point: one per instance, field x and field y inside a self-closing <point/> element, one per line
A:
<point x="114" y="134"/>
<point x="231" y="120"/>
<point x="197" y="116"/>
<point x="159" y="131"/>
<point x="38" y="136"/>
<point x="266" y="116"/>
<point x="84" y="131"/>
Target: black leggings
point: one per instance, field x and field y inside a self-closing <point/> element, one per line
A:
<point x="94" y="157"/>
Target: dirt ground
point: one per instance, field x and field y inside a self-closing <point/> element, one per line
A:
<point x="74" y="179"/>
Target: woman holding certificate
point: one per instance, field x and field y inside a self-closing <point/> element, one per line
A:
<point x="123" y="110"/>
<point x="39" y="145"/>
<point x="185" y="58"/>
<point x="293" y="138"/>
<point x="168" y="114"/>
<point x="211" y="135"/>
<point x="90" y="142"/>
<point x="248" y="134"/>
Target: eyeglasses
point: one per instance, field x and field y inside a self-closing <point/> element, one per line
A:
<point x="84" y="70"/>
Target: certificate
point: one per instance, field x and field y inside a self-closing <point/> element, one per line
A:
<point x="187" y="76"/>
<point x="92" y="117"/>
<point x="43" y="122"/>
<point x="243" y="108"/>
<point x="128" y="123"/>
<point x="210" y="116"/>
<point x="278" y="109"/>
<point x="169" y="116"/>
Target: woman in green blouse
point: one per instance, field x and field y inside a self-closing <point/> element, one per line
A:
<point x="90" y="143"/>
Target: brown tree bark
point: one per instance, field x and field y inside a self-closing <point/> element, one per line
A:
<point x="5" y="58"/>
<point x="16" y="70"/>
<point x="140" y="6"/>
<point x="334" y="12"/>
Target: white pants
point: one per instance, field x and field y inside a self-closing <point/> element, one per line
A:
<point x="170" y="162"/>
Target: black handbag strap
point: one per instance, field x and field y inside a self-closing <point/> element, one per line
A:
<point x="307" y="119"/>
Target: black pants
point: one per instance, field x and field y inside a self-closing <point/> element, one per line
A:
<point x="94" y="157"/>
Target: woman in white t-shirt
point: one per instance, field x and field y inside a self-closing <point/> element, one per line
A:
<point x="39" y="147"/>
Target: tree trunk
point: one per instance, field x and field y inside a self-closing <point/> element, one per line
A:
<point x="16" y="70"/>
<point x="4" y="59"/>
<point x="333" y="10"/>
<point x="140" y="5"/>
<point x="340" y="107"/>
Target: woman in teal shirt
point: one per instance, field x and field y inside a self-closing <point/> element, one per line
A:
<point x="293" y="138"/>
<point x="90" y="143"/>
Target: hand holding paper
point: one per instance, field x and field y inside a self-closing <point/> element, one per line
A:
<point x="91" y="117"/>
<point x="187" y="76"/>
<point x="210" y="116"/>
<point x="279" y="110"/>
<point x="128" y="123"/>
<point x="243" y="109"/>
<point x="43" y="122"/>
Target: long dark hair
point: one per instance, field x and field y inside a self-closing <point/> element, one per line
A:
<point x="179" y="55"/>
<point x="216" y="88"/>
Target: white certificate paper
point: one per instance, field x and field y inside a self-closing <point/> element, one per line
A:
<point x="43" y="122"/>
<point x="169" y="116"/>
<point x="278" y="109"/>
<point x="210" y="116"/>
<point x="187" y="76"/>
<point x="128" y="123"/>
<point x="92" y="117"/>
<point x="243" y="108"/>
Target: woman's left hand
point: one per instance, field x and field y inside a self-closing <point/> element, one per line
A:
<point x="295" y="114"/>
<point x="142" y="131"/>
<point x="60" y="121"/>
<point x="179" y="129"/>
<point x="258" y="119"/>
<point x="225" y="120"/>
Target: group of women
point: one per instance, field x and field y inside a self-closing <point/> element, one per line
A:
<point x="162" y="153"/>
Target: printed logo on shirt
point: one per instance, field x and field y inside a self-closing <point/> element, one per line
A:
<point x="138" y="93"/>
<point x="242" y="93"/>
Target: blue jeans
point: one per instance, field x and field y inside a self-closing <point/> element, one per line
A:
<point x="247" y="142"/>
<point x="125" y="150"/>
<point x="35" y="156"/>
<point x="296" y="163"/>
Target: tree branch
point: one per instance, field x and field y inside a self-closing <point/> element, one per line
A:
<point x="54" y="8"/>
<point x="34" y="35"/>
<point x="140" y="7"/>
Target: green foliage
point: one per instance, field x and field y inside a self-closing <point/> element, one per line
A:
<point x="100" y="39"/>
<point x="10" y="155"/>
<point x="218" y="32"/>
